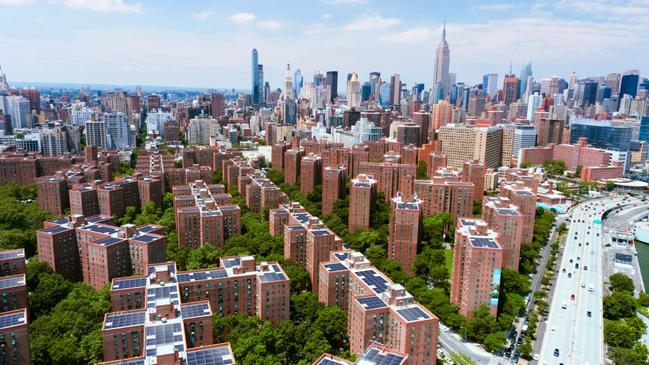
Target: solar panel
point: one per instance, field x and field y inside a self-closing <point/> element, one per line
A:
<point x="413" y="314"/>
<point x="127" y="283"/>
<point x="55" y="230"/>
<point x="272" y="276"/>
<point x="9" y="282"/>
<point x="320" y="232"/>
<point x="4" y="255"/>
<point x="234" y="261"/>
<point x="373" y="356"/>
<point x="332" y="362"/>
<point x="342" y="256"/>
<point x="202" y="275"/>
<point x="371" y="303"/>
<point x="12" y="319"/>
<point x="373" y="280"/>
<point x="213" y="355"/>
<point x="118" y="320"/>
<point x="467" y="222"/>
<point x="335" y="267"/>
<point x="146" y="238"/>
<point x="195" y="310"/>
<point x="483" y="242"/>
<point x="506" y="212"/>
<point x="108" y="241"/>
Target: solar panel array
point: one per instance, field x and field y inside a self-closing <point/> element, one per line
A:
<point x="161" y="292"/>
<point x="332" y="362"/>
<point x="342" y="256"/>
<point x="484" y="242"/>
<point x="100" y="229"/>
<point x="506" y="211"/>
<point x="375" y="281"/>
<point x="467" y="222"/>
<point x="202" y="275"/>
<point x="146" y="238"/>
<point x="413" y="314"/>
<point x="375" y="357"/>
<point x="320" y="232"/>
<point x="524" y="192"/>
<point x="9" y="282"/>
<point x="12" y="319"/>
<point x="11" y="254"/>
<point x="234" y="261"/>
<point x="371" y="302"/>
<point x="169" y="333"/>
<point x="272" y="276"/>
<point x="335" y="267"/>
<point x="119" y="320"/>
<point x="195" y="310"/>
<point x="109" y="241"/>
<point x="217" y="355"/>
<point x="55" y="230"/>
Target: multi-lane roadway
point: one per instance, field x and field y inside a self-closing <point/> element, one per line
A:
<point x="574" y="331"/>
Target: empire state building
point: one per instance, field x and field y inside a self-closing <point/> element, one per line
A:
<point x="442" y="60"/>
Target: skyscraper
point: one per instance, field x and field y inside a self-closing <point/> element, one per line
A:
<point x="332" y="85"/>
<point x="298" y="82"/>
<point x="395" y="91"/>
<point x="526" y="72"/>
<point x="255" y="78"/>
<point x="375" y="78"/>
<point x="510" y="89"/>
<point x="3" y="80"/>
<point x="629" y="83"/>
<point x="260" y="84"/>
<point x="289" y="98"/>
<point x="442" y="60"/>
<point x="587" y="93"/>
<point x="354" y="92"/>
<point x="490" y="85"/>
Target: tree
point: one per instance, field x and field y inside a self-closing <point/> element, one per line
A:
<point x="495" y="341"/>
<point x="554" y="167"/>
<point x="52" y="288"/>
<point x="71" y="332"/>
<point x="619" y="305"/>
<point x="422" y="170"/>
<point x="513" y="282"/>
<point x="526" y="165"/>
<point x="618" y="334"/>
<point x="35" y="269"/>
<point x="458" y="358"/>
<point x="526" y="349"/>
<point x="621" y="282"/>
<point x="635" y="356"/>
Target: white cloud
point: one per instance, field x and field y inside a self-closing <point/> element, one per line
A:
<point x="205" y="14"/>
<point x="315" y="29"/>
<point x="372" y="22"/>
<point x="270" y="24"/>
<point x="326" y="16"/>
<point x="345" y="2"/>
<point x="413" y="35"/>
<point x="492" y="8"/>
<point x="16" y="2"/>
<point x="240" y="18"/>
<point x="104" y="6"/>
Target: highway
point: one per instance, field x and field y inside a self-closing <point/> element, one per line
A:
<point x="572" y="337"/>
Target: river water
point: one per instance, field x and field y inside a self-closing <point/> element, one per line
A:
<point x="643" y="260"/>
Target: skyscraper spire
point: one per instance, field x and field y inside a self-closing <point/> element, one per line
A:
<point x="510" y="67"/>
<point x="444" y="31"/>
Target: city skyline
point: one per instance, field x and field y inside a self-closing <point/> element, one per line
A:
<point x="209" y="46"/>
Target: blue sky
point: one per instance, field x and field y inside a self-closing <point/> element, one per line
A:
<point x="207" y="43"/>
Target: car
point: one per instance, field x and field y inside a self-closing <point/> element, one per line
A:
<point x="564" y="305"/>
<point x="556" y="352"/>
<point x="589" y="314"/>
<point x="443" y="328"/>
<point x="583" y="285"/>
<point x="585" y="268"/>
<point x="572" y="297"/>
<point x="586" y="243"/>
<point x="519" y="341"/>
<point x="564" y="270"/>
<point x="571" y="261"/>
<point x="536" y="357"/>
<point x="597" y="234"/>
<point x="553" y="330"/>
<point x="580" y="245"/>
<point x="578" y="258"/>
<point x="576" y="266"/>
<point x="569" y="275"/>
